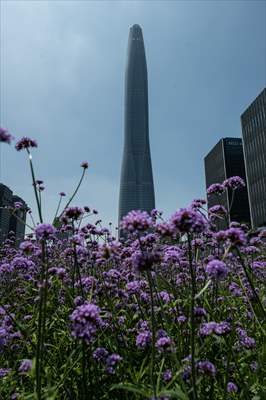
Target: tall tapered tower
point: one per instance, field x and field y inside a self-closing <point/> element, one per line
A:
<point x="136" y="186"/>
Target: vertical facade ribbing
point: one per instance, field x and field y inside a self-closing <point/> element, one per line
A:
<point x="136" y="185"/>
<point x="253" y="122"/>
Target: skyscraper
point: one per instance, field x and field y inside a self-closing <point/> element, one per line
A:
<point x="8" y="220"/>
<point x="253" y="122"/>
<point x="5" y="203"/>
<point x="136" y="185"/>
<point x="18" y="219"/>
<point x="226" y="159"/>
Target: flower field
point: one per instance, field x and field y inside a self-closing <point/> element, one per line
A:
<point x="174" y="310"/>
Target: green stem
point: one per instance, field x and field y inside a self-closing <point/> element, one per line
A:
<point x="153" y="334"/>
<point x="192" y="319"/>
<point x="39" y="349"/>
<point x="75" y="192"/>
<point x="58" y="206"/>
<point x="34" y="186"/>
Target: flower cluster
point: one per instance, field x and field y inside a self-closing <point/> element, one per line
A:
<point x="86" y="321"/>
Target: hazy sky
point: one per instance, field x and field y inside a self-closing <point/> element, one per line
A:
<point x="62" y="83"/>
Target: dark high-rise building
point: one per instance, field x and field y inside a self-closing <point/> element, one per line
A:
<point x="136" y="185"/>
<point x="8" y="221"/>
<point x="18" y="218"/>
<point x="253" y="122"/>
<point x="226" y="159"/>
<point x="5" y="203"/>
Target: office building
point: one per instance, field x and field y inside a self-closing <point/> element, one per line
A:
<point x="253" y="122"/>
<point x="12" y="214"/>
<point x="5" y="203"/>
<point x="225" y="160"/>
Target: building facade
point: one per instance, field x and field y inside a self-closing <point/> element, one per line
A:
<point x="18" y="219"/>
<point x="253" y="122"/>
<point x="136" y="184"/>
<point x="5" y="203"/>
<point x="12" y="218"/>
<point x="226" y="159"/>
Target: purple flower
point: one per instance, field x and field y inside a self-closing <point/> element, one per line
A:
<point x="136" y="220"/>
<point x="143" y="339"/>
<point x="217" y="209"/>
<point x="167" y="375"/>
<point x="27" y="247"/>
<point x="215" y="188"/>
<point x="111" y="363"/>
<point x="217" y="269"/>
<point x="100" y="354"/>
<point x="187" y="220"/>
<point x="74" y="212"/>
<point x="62" y="194"/>
<point x="235" y="235"/>
<point x="197" y="203"/>
<point x="234" y="182"/>
<point x="25" y="366"/>
<point x="44" y="231"/>
<point x="200" y="312"/>
<point x="143" y="261"/>
<point x="164" y="344"/>
<point x="84" y="164"/>
<point x="25" y="143"/>
<point x="208" y="328"/>
<point x="85" y="322"/>
<point x="231" y="387"/>
<point x="4" y="372"/>
<point x="206" y="367"/>
<point x="5" y="137"/>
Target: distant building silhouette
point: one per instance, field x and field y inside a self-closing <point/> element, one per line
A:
<point x="226" y="159"/>
<point x="11" y="220"/>
<point x="136" y="185"/>
<point x="5" y="203"/>
<point x="253" y="122"/>
<point x="18" y="219"/>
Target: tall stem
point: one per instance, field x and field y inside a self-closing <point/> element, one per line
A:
<point x="34" y="186"/>
<point x="153" y="325"/>
<point x="75" y="192"/>
<point x="39" y="350"/>
<point x="192" y="319"/>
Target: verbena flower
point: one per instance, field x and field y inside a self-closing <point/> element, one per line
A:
<point x="5" y="137"/>
<point x="143" y="339"/>
<point x="235" y="235"/>
<point x="136" y="220"/>
<point x="85" y="322"/>
<point x="44" y="231"/>
<point x="231" y="387"/>
<point x="4" y="372"/>
<point x="215" y="188"/>
<point x="188" y="220"/>
<point x="234" y="182"/>
<point x="74" y="213"/>
<point x="84" y="164"/>
<point x="25" y="143"/>
<point x="206" y="367"/>
<point x="25" y="366"/>
<point x="209" y="328"/>
<point x="217" y="269"/>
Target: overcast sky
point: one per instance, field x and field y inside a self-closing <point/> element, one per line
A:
<point x="62" y="83"/>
